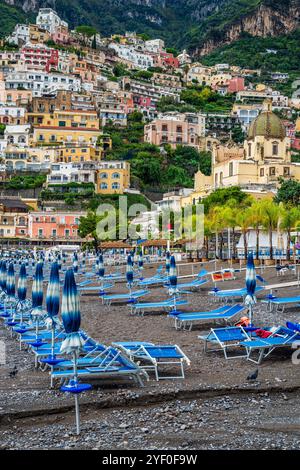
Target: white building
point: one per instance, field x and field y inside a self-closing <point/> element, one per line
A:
<point x="154" y="45"/>
<point x="42" y="82"/>
<point x="49" y="20"/>
<point x="17" y="135"/>
<point x="63" y="173"/>
<point x="9" y="113"/>
<point x="20" y="35"/>
<point x="139" y="59"/>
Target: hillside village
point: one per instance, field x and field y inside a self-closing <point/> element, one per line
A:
<point x="85" y="118"/>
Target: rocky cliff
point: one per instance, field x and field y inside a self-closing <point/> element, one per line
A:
<point x="199" y="25"/>
<point x="263" y="22"/>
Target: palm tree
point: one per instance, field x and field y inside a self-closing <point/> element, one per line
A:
<point x="230" y="215"/>
<point x="243" y="221"/>
<point x="290" y="217"/>
<point x="207" y="235"/>
<point x="271" y="213"/>
<point x="217" y="218"/>
<point x="256" y="221"/>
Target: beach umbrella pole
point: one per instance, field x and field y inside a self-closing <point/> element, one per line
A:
<point x="77" y="416"/>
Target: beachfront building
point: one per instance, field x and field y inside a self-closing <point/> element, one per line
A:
<point x="175" y="129"/>
<point x="13" y="218"/>
<point x="256" y="166"/>
<point x="54" y="226"/>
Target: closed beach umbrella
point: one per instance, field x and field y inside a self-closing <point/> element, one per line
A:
<point x="52" y="301"/>
<point x="129" y="272"/>
<point x="71" y="315"/>
<point x="10" y="282"/>
<point x="141" y="261"/>
<point x="52" y="297"/>
<point x="250" y="299"/>
<point x="37" y="290"/>
<point x="173" y="273"/>
<point x="3" y="275"/>
<point x="22" y="284"/>
<point x="73" y="342"/>
<point x="75" y="263"/>
<point x="168" y="258"/>
<point x="101" y="269"/>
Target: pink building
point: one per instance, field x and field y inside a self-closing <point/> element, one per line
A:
<point x="236" y="84"/>
<point x="176" y="129"/>
<point x="61" y="35"/>
<point x="54" y="225"/>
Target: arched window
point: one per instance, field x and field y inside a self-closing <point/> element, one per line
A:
<point x="249" y="150"/>
<point x="230" y="168"/>
<point x="115" y="186"/>
<point x="103" y="186"/>
<point x="116" y="176"/>
<point x="10" y="139"/>
<point x="103" y="175"/>
<point x="21" y="139"/>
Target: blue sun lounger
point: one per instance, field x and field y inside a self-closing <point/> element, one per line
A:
<point x="185" y="321"/>
<point x="152" y="357"/>
<point x="95" y="289"/>
<point x="288" y="336"/>
<point x="281" y="302"/>
<point x="163" y="306"/>
<point x="128" y="297"/>
<point x="118" y="366"/>
<point x="227" y="295"/>
<point x="224" y="339"/>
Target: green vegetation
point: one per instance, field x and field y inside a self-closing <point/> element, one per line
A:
<point x="10" y="16"/>
<point x="197" y="98"/>
<point x="252" y="52"/>
<point x="25" y="182"/>
<point x="289" y="192"/>
<point x="229" y="208"/>
<point x="149" y="165"/>
<point x="85" y="30"/>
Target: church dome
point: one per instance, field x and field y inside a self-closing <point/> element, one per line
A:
<point x="268" y="125"/>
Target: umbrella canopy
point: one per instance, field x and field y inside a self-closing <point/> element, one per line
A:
<point x="173" y="273"/>
<point x="10" y="281"/>
<point x="37" y="288"/>
<point x="250" y="281"/>
<point x="168" y="257"/>
<point x="101" y="269"/>
<point x="52" y="297"/>
<point x="22" y="286"/>
<point x="71" y="315"/>
<point x="3" y="275"/>
<point x="141" y="261"/>
<point x="75" y="263"/>
<point x="129" y="270"/>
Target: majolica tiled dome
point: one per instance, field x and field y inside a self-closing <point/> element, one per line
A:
<point x="268" y="125"/>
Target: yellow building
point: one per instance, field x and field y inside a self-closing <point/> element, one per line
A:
<point x="257" y="166"/>
<point x="29" y="158"/>
<point x="38" y="35"/>
<point x="66" y="118"/>
<point x="78" y="153"/>
<point x="113" y="177"/>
